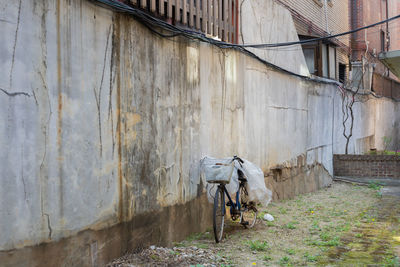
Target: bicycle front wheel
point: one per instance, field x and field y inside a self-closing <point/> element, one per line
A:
<point x="218" y="214"/>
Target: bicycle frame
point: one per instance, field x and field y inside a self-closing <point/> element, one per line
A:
<point x="233" y="205"/>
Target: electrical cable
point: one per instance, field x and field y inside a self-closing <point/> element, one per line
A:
<point x="134" y="11"/>
<point x="148" y="21"/>
<point x="179" y="31"/>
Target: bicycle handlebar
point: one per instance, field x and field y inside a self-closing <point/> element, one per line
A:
<point x="238" y="159"/>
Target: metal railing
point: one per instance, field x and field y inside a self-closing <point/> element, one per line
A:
<point x="216" y="18"/>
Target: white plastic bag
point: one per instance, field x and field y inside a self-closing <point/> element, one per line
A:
<point x="256" y="188"/>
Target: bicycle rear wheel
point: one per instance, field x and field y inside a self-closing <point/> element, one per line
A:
<point x="248" y="214"/>
<point x="218" y="214"/>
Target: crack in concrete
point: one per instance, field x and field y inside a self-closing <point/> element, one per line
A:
<point x="13" y="94"/>
<point x="6" y="21"/>
<point x="222" y="64"/>
<point x="48" y="119"/>
<point x="34" y="96"/>
<point x="112" y="78"/>
<point x="22" y="168"/>
<point x="98" y="97"/>
<point x="48" y="225"/>
<point x="288" y="108"/>
<point x="15" y="43"/>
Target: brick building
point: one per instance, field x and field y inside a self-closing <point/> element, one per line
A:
<point x="367" y="45"/>
<point x="318" y="18"/>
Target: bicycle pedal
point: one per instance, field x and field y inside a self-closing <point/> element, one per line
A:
<point x="245" y="223"/>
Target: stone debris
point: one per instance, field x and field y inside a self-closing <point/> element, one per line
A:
<point x="176" y="256"/>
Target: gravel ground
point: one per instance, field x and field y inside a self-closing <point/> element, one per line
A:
<point x="176" y="256"/>
<point x="339" y="225"/>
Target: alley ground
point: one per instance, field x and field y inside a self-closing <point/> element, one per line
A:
<point x="344" y="225"/>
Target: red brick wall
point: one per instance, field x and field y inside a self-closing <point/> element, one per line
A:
<point x="366" y="166"/>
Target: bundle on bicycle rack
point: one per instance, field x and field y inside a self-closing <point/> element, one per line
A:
<point x="218" y="170"/>
<point x="225" y="171"/>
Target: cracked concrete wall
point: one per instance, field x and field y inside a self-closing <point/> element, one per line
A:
<point x="104" y="123"/>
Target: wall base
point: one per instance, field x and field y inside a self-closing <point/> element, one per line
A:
<point x="97" y="248"/>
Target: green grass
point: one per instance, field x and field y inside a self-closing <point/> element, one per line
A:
<point x="195" y="236"/>
<point x="284" y="260"/>
<point x="261" y="214"/>
<point x="325" y="236"/>
<point x="290" y="225"/>
<point x="283" y="210"/>
<point x="267" y="258"/>
<point x="257" y="245"/>
<point x="343" y="227"/>
<point x="310" y="258"/>
<point x="179" y="244"/>
<point x="393" y="153"/>
<point x="155" y="257"/>
<point x="269" y="224"/>
<point x="391" y="261"/>
<point x="375" y="185"/>
<point x="290" y="251"/>
<point x="203" y="246"/>
<point x="315" y="225"/>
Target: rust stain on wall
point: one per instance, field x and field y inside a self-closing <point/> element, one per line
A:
<point x="60" y="106"/>
<point x="130" y="121"/>
<point x="116" y="36"/>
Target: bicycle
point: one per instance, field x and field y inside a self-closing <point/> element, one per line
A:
<point x="242" y="208"/>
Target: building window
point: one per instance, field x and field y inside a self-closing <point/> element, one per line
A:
<point x="382" y="41"/>
<point x="342" y="73"/>
<point x="310" y="56"/>
<point x="321" y="59"/>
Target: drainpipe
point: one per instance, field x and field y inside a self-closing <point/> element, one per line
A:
<point x="326" y="16"/>
<point x="387" y="34"/>
<point x="387" y="27"/>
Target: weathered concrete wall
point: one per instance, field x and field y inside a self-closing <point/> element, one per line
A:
<point x="261" y="22"/>
<point x="103" y="125"/>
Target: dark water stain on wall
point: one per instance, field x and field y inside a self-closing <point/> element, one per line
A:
<point x="91" y="248"/>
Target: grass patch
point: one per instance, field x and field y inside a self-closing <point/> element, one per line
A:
<point x="283" y="210"/>
<point x="391" y="261"/>
<point x="290" y="251"/>
<point x="284" y="261"/>
<point x="155" y="257"/>
<point x="375" y="185"/>
<point x="257" y="245"/>
<point x="290" y="225"/>
<point x="179" y="244"/>
<point x="310" y="258"/>
<point x="203" y="246"/>
<point x="267" y="258"/>
<point x="261" y="214"/>
<point x="343" y="227"/>
<point x="269" y="224"/>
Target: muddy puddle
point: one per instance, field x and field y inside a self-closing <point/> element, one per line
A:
<point x="374" y="239"/>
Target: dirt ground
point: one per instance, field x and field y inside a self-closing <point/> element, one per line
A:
<point x="343" y="225"/>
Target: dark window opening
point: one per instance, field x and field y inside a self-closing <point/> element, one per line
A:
<point x="382" y="41"/>
<point x="342" y="72"/>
